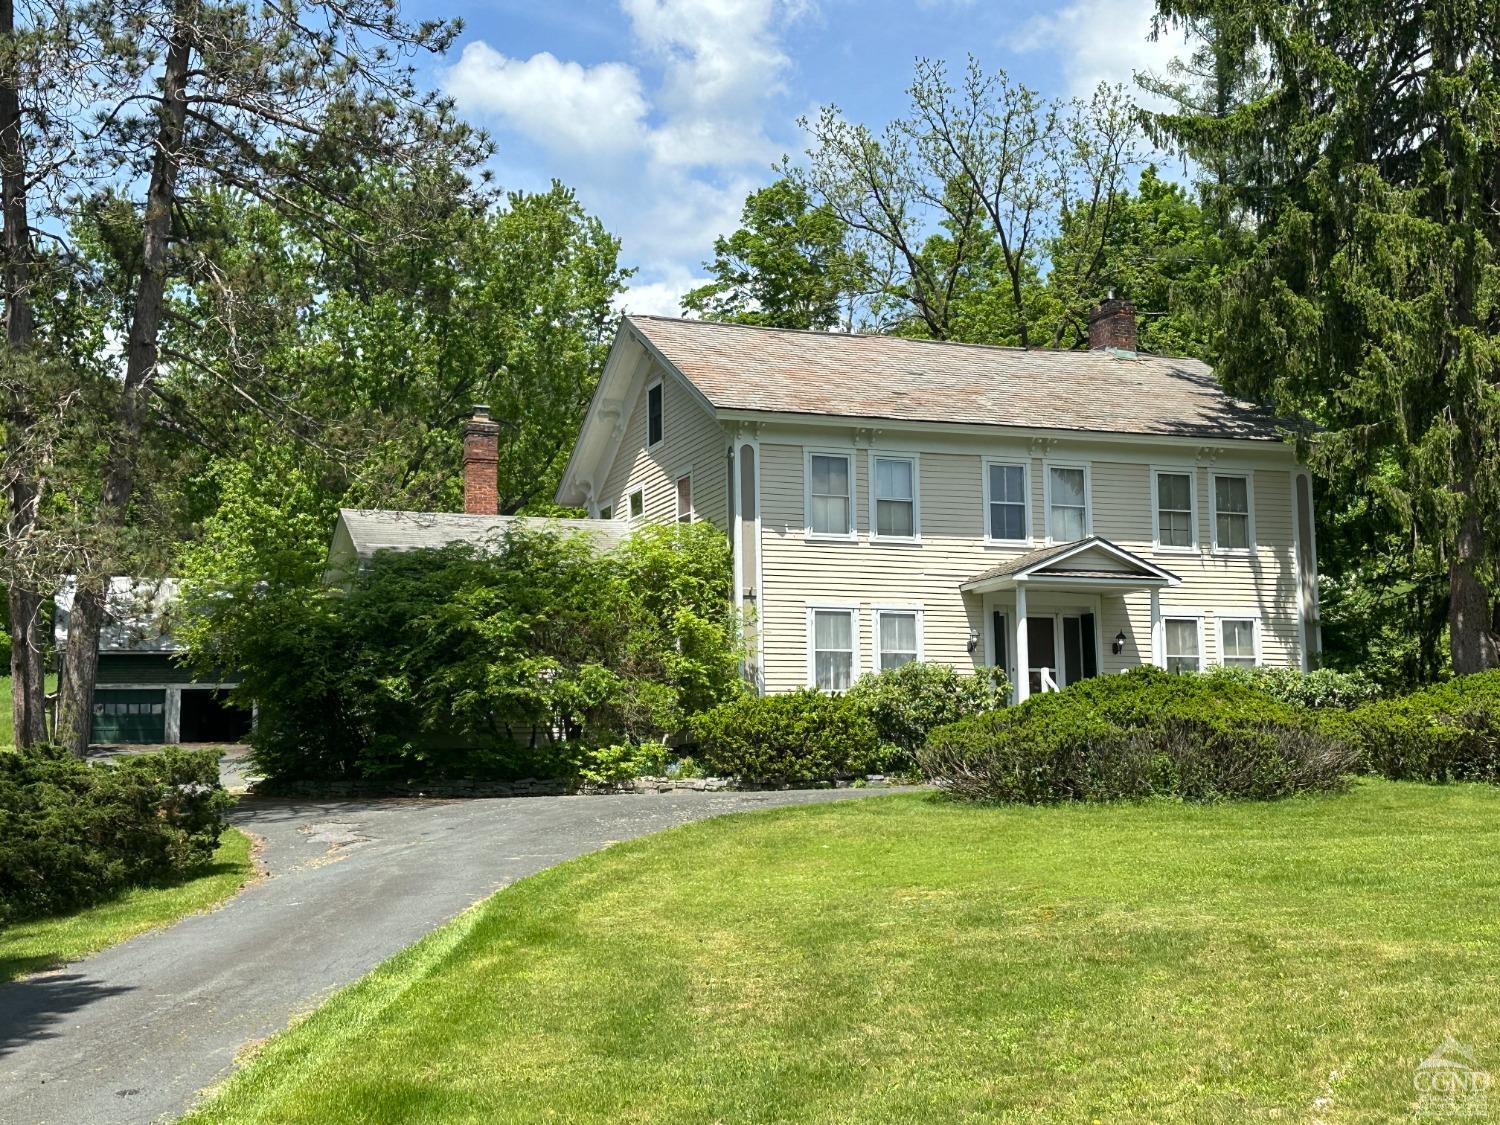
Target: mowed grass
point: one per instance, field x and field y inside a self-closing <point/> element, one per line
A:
<point x="899" y="958"/>
<point x="44" y="943"/>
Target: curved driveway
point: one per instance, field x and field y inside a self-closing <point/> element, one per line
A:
<point x="134" y="1033"/>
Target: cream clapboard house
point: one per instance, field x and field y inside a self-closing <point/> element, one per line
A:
<point x="1068" y="514"/>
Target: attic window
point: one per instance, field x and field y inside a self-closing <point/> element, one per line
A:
<point x="653" y="415"/>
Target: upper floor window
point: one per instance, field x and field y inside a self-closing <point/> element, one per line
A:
<point x="1067" y="503"/>
<point x="653" y="414"/>
<point x="895" y="491"/>
<point x="685" y="498"/>
<point x="896" y="638"/>
<point x="1181" y="645"/>
<point x="1237" y="642"/>
<point x="830" y="494"/>
<point x="1232" y="529"/>
<point x="831" y="641"/>
<point x="1174" y="510"/>
<point x="1006" y="486"/>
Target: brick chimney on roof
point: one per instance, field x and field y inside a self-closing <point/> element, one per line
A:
<point x="1112" y="326"/>
<point x="481" y="464"/>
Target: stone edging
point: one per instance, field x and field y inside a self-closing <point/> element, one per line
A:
<point x="536" y="787"/>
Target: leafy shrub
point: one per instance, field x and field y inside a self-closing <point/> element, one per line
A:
<point x="490" y="663"/>
<point x="800" y="736"/>
<point x="1447" y="732"/>
<point x="907" y="704"/>
<point x="72" y="834"/>
<point x="611" y="765"/>
<point x="1321" y="689"/>
<point x="1141" y="734"/>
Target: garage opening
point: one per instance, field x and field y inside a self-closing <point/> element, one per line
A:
<point x="208" y="716"/>
<point x="129" y="716"/>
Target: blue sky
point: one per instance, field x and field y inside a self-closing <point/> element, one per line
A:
<point x="663" y="114"/>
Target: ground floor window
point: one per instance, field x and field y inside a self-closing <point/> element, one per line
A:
<point x="1237" y="642"/>
<point x="896" y="637"/>
<point x="1182" y="650"/>
<point x="832" y="642"/>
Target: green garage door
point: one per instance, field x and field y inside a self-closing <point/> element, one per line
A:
<point x="130" y="716"/>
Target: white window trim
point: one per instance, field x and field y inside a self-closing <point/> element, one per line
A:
<point x="1158" y="471"/>
<point x="916" y="497"/>
<point x="875" y="632"/>
<point x="1025" y="467"/>
<point x="1255" y="632"/>
<point x="1088" y="496"/>
<point x="692" y="512"/>
<point x="852" y="609"/>
<point x="653" y="385"/>
<point x="631" y="517"/>
<point x="1213" y="511"/>
<point x="1172" y="614"/>
<point x="827" y="536"/>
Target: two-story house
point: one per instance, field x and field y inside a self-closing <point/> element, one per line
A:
<point x="1060" y="514"/>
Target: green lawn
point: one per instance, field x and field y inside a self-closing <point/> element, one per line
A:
<point x="29" y="947"/>
<point x="899" y="958"/>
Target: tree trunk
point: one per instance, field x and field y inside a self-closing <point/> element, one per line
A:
<point x="28" y="683"/>
<point x="77" y="700"/>
<point x="1471" y="608"/>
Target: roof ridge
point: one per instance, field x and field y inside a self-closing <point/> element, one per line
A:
<point x="918" y="340"/>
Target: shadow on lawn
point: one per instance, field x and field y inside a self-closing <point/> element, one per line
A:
<point x="30" y="1009"/>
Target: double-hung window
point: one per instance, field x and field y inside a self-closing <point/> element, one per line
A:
<point x="1181" y="645"/>
<point x="1237" y="642"/>
<point x="896" y="638"/>
<point x="895" y="492"/>
<point x="1232" y="514"/>
<point x="830" y="494"/>
<point x="1067" y="503"/>
<point x="1174" y="510"/>
<point x="831" y="641"/>
<point x="654" y="415"/>
<point x="1007" y="502"/>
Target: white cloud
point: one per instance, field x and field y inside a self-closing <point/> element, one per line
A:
<point x="1101" y="41"/>
<point x="668" y="169"/>
<point x="559" y="105"/>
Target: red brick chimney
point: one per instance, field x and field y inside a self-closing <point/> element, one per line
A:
<point x="481" y="464"/>
<point x="1112" y="326"/>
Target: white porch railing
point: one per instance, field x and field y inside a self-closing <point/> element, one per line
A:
<point x="1048" y="683"/>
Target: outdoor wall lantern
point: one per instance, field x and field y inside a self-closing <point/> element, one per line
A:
<point x="973" y="640"/>
<point x="1120" y="642"/>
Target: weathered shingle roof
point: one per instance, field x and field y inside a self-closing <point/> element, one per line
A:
<point x="737" y="367"/>
<point x="371" y="530"/>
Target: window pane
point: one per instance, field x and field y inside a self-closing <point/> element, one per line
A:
<point x="833" y="670"/>
<point x="830" y="475"/>
<point x="1174" y="491"/>
<point x="1008" y="483"/>
<point x="637" y="503"/>
<point x="1182" y="645"/>
<point x="1176" y="529"/>
<point x="1067" y="487"/>
<point x="830" y="515"/>
<point x="1067" y="523"/>
<point x="1234" y="531"/>
<point x="1239" y="641"/>
<point x="895" y="517"/>
<point x="1007" y="521"/>
<point x="832" y="630"/>
<point x="1232" y="494"/>
<point x="653" y="415"/>
<point x="684" y="499"/>
<point x="898" y="632"/>
<point x="893" y="479"/>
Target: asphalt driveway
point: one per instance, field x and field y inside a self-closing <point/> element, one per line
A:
<point x="134" y="1033"/>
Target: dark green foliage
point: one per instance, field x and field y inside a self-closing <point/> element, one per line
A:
<point x="496" y="663"/>
<point x="1319" y="689"/>
<point x="908" y="703"/>
<point x="72" y="834"/>
<point x="1448" y="732"/>
<point x="797" y="737"/>
<point x="1141" y="734"/>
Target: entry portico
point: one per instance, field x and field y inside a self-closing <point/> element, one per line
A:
<point x="1043" y="586"/>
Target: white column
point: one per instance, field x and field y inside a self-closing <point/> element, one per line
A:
<point x="1023" y="656"/>
<point x="1155" y="627"/>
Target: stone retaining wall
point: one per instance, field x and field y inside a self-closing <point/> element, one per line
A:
<point x="535" y="787"/>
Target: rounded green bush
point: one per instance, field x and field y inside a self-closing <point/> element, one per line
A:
<point x="780" y="739"/>
<point x="1447" y="732"/>
<point x="908" y="703"/>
